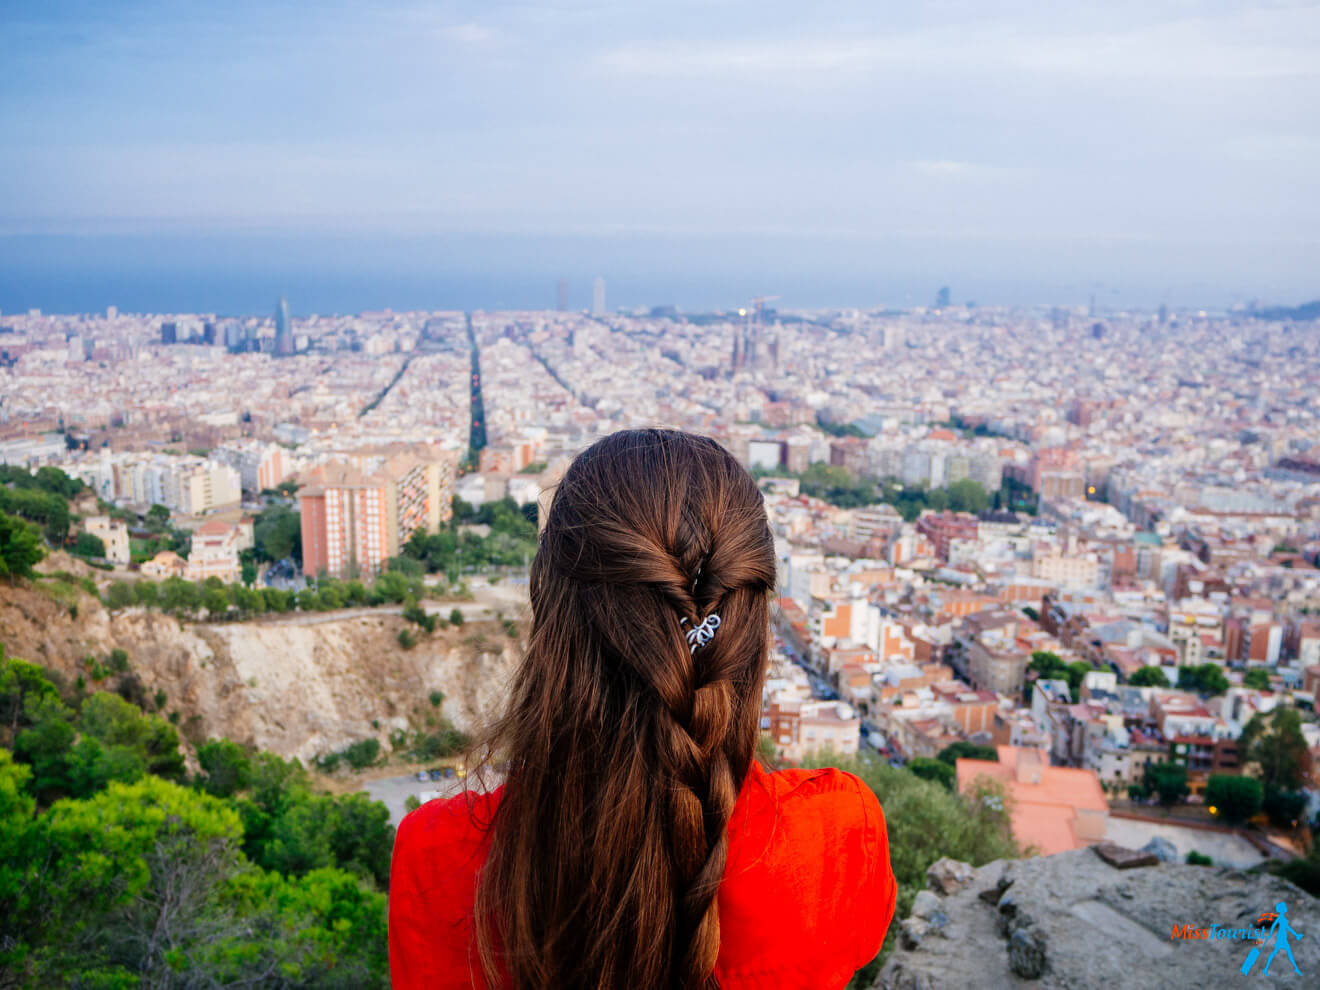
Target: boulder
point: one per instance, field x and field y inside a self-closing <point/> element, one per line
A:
<point x="1162" y="848"/>
<point x="925" y="904"/>
<point x="1026" y="953"/>
<point x="1124" y="858"/>
<point x="1074" y="921"/>
<point x="947" y="876"/>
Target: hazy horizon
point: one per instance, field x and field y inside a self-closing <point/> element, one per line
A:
<point x="465" y="154"/>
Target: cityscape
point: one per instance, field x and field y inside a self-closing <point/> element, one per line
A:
<point x="1072" y="552"/>
<point x="1009" y="312"/>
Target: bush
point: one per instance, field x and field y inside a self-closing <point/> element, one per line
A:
<point x="925" y="822"/>
<point x="936" y="770"/>
<point x="1168" y="780"/>
<point x="414" y="612"/>
<point x="950" y="754"/>
<point x="1285" y="808"/>
<point x="362" y="753"/>
<point x="1195" y="858"/>
<point x="89" y="545"/>
<point x="437" y="698"/>
<point x="456" y="617"/>
<point x="406" y="639"/>
<point x="1236" y="798"/>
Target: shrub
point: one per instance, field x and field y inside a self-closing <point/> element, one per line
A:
<point x="362" y="753"/>
<point x="1195" y="858"/>
<point x="406" y="639"/>
<point x="1236" y="798"/>
<point x="456" y="617"/>
<point x="437" y="698"/>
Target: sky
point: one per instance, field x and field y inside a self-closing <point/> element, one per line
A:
<point x="690" y="152"/>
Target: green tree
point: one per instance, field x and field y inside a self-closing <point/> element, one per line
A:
<point x="1285" y="808"/>
<point x="456" y="616"/>
<point x="1236" y="798"/>
<point x="1168" y="780"/>
<point x="21" y="683"/>
<point x="1279" y="747"/>
<point x="89" y="545"/>
<point x="962" y="748"/>
<point x="20" y="548"/>
<point x="1257" y="678"/>
<point x="227" y="767"/>
<point x="967" y="495"/>
<point x="936" y="770"/>
<point x="113" y="722"/>
<point x="1149" y="677"/>
<point x="1206" y="679"/>
<point x="277" y="534"/>
<point x="157" y="518"/>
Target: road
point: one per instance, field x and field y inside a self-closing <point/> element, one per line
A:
<point x="394" y="791"/>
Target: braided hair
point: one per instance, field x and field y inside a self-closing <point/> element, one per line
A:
<point x="626" y="749"/>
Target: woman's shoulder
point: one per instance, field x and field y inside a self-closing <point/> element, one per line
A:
<point x="817" y="786"/>
<point x="445" y="825"/>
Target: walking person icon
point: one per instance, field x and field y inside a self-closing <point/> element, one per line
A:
<point x="1280" y="930"/>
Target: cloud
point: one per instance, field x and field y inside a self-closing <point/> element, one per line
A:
<point x="469" y="34"/>
<point x="1261" y="44"/>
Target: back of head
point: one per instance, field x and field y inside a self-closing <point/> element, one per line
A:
<point x="626" y="744"/>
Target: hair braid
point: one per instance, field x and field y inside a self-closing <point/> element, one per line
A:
<point x="596" y="877"/>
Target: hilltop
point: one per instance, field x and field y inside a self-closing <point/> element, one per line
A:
<point x="296" y="685"/>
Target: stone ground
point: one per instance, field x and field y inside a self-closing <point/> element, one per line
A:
<point x="1073" y="921"/>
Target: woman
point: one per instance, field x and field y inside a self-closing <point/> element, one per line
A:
<point x="636" y="842"/>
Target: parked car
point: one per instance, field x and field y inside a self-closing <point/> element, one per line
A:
<point x="437" y="774"/>
<point x="422" y="775"/>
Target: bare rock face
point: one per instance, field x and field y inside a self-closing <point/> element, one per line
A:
<point x="1074" y="921"/>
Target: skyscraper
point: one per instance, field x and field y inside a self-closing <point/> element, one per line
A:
<point x="283" y="329"/>
<point x="562" y="297"/>
<point x="169" y="333"/>
<point x="598" y="297"/>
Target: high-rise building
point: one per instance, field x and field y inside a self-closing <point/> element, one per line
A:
<point x="354" y="521"/>
<point x="561" y="298"/>
<point x="283" y="329"/>
<point x="111" y="312"/>
<point x="169" y="333"/>
<point x="598" y="297"/>
<point x="260" y="465"/>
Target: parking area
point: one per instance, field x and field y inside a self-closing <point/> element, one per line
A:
<point x="394" y="791"/>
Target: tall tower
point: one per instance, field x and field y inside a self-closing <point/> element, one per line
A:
<point x="598" y="297"/>
<point x="283" y="329"/>
<point x="561" y="297"/>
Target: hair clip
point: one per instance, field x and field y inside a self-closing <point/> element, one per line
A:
<point x="700" y="635"/>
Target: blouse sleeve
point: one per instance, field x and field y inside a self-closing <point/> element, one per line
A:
<point x="879" y="888"/>
<point x="411" y="935"/>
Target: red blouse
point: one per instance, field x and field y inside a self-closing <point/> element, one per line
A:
<point x="807" y="896"/>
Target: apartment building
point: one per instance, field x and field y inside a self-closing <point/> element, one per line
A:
<point x="354" y="521"/>
<point x="799" y="727"/>
<point x="214" y="552"/>
<point x="113" y="533"/>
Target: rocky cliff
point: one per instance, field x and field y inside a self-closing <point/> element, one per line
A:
<point x="295" y="685"/>
<point x="1075" y="921"/>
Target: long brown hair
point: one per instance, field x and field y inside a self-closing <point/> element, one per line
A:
<point x="626" y="749"/>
